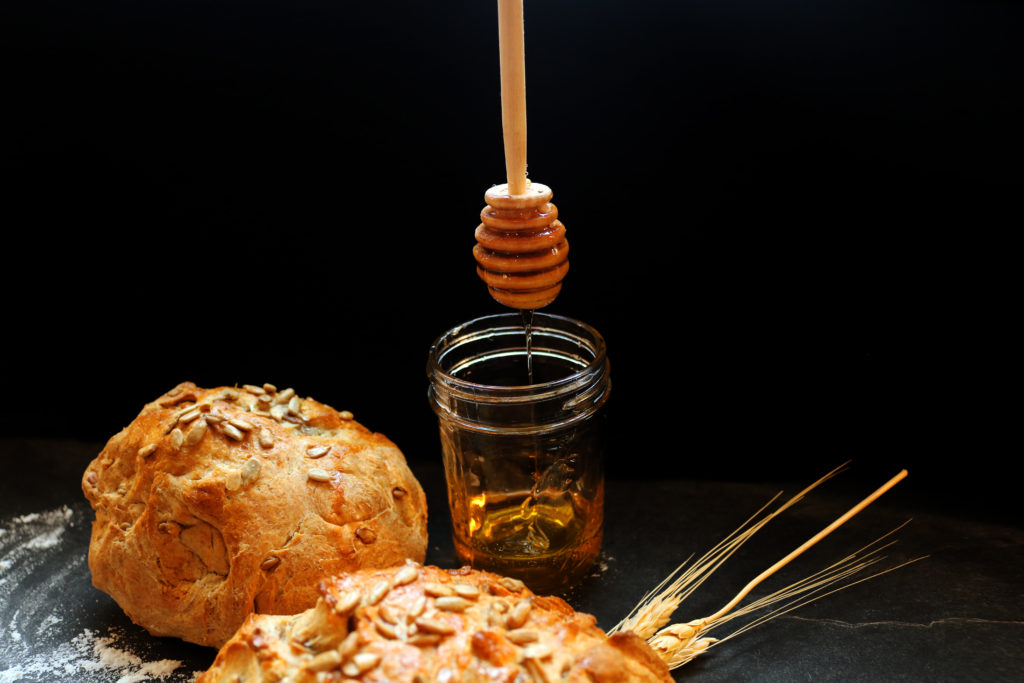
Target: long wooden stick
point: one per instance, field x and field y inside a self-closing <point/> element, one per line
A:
<point x="814" y="539"/>
<point x="512" y="54"/>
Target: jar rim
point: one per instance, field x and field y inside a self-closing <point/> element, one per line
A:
<point x="491" y="322"/>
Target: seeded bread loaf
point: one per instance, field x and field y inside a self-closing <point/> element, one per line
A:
<point x="214" y="503"/>
<point x="414" y="624"/>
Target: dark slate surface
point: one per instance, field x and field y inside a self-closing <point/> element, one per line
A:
<point x="951" y="617"/>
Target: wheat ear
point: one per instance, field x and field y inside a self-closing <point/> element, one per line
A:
<point x="655" y="609"/>
<point x="680" y="643"/>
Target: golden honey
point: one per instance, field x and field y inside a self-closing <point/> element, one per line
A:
<point x="548" y="541"/>
<point x="521" y="253"/>
<point x="522" y="448"/>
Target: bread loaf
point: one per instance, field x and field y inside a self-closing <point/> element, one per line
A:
<point x="214" y="503"/>
<point x="414" y="624"/>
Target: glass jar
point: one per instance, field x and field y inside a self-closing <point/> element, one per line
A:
<point x="519" y="404"/>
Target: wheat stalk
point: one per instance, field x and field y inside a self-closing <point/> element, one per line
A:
<point x="810" y="587"/>
<point x="655" y="609"/>
<point x="680" y="643"/>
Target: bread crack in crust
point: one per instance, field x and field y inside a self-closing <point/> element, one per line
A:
<point x="206" y="507"/>
<point x="416" y="624"/>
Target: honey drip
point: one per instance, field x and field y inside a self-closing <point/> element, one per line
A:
<point x="527" y="314"/>
<point x="521" y="250"/>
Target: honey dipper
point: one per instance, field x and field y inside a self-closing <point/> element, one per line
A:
<point x="521" y="250"/>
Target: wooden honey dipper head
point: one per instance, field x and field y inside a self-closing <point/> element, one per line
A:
<point x="521" y="250"/>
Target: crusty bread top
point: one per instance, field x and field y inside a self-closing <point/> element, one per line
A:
<point x="414" y="624"/>
<point x="216" y="502"/>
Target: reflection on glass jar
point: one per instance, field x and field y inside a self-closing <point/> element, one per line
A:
<point x="523" y="449"/>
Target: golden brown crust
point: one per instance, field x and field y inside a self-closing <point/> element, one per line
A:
<point x="416" y="624"/>
<point x="606" y="663"/>
<point x="210" y="504"/>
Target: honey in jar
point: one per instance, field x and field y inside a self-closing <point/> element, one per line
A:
<point x="523" y="448"/>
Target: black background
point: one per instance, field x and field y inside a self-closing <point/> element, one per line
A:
<point x="790" y="220"/>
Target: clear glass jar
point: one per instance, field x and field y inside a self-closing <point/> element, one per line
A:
<point x="521" y="427"/>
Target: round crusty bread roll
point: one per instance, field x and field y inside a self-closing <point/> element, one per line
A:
<point x="214" y="503"/>
<point x="414" y="624"/>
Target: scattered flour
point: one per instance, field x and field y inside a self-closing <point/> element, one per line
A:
<point x="44" y="540"/>
<point x="87" y="656"/>
<point x="36" y="644"/>
<point x="601" y="566"/>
